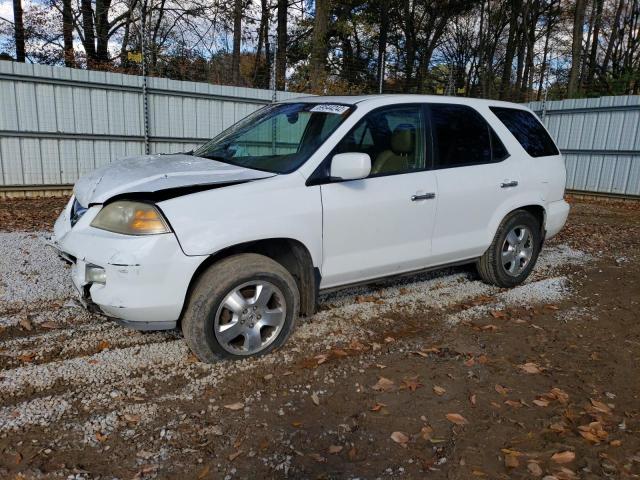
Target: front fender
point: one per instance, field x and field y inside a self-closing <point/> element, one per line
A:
<point x="277" y="207"/>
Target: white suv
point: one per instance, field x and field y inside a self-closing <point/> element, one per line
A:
<point x="234" y="240"/>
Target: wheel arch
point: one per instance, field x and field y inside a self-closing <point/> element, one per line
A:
<point x="290" y="253"/>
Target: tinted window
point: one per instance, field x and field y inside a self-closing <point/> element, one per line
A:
<point x="393" y="137"/>
<point x="527" y="130"/>
<point x="461" y="137"/>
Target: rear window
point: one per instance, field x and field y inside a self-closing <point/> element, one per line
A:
<point x="462" y="137"/>
<point x="528" y="131"/>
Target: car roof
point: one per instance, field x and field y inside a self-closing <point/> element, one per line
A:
<point x="401" y="98"/>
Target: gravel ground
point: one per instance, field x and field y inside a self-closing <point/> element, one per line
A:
<point x="72" y="381"/>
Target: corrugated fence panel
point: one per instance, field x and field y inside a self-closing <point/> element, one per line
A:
<point x="57" y="124"/>
<point x="600" y="139"/>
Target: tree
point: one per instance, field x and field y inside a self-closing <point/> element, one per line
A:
<point x="67" y="33"/>
<point x="281" y="53"/>
<point x="576" y="47"/>
<point x="237" y="39"/>
<point x="18" y="26"/>
<point x="319" y="46"/>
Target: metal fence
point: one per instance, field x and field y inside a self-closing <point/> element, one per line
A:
<point x="600" y="139"/>
<point x="57" y="124"/>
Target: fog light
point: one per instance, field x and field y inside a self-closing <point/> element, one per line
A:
<point x="95" y="274"/>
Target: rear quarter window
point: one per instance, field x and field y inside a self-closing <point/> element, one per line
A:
<point x="528" y="131"/>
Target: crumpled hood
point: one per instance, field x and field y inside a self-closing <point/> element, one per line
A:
<point x="153" y="173"/>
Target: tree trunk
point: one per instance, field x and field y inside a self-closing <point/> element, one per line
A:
<point x="67" y="34"/>
<point x="237" y="38"/>
<point x="102" y="31"/>
<point x="594" y="43"/>
<point x="281" y="53"/>
<point x="263" y="30"/>
<point x="319" y="46"/>
<point x="510" y="51"/>
<point x="382" y="38"/>
<point x="18" y="28"/>
<point x="576" y="48"/>
<point x="89" y="40"/>
<point x="545" y="53"/>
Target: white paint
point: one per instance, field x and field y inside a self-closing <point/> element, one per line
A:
<point x="354" y="230"/>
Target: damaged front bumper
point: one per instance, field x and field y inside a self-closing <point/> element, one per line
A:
<point x="146" y="277"/>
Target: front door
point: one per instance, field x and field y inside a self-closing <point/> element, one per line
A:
<point x="382" y="224"/>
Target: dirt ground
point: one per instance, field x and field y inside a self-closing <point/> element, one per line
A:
<point x="432" y="376"/>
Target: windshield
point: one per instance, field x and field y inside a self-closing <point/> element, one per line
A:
<point x="277" y="138"/>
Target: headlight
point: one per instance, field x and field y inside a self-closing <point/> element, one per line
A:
<point x="131" y="218"/>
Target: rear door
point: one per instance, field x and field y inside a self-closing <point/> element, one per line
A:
<point x="474" y="173"/>
<point x="382" y="224"/>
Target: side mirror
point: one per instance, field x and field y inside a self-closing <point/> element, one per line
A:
<point x="350" y="166"/>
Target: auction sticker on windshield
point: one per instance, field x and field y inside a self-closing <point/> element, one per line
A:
<point x="330" y="108"/>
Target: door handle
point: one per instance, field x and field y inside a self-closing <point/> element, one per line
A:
<point x="426" y="196"/>
<point x="509" y="184"/>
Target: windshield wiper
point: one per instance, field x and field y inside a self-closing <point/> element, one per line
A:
<point x="218" y="158"/>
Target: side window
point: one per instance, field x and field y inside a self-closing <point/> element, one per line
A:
<point x="393" y="137"/>
<point x="461" y="137"/>
<point x="528" y="131"/>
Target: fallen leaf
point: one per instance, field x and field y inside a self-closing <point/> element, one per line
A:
<point x="425" y="432"/>
<point x="25" y="323"/>
<point x="235" y="406"/>
<point x="501" y="390"/>
<point x="456" y="418"/>
<point x="315" y="399"/>
<point x="384" y="385"/>
<point x="400" y="438"/>
<point x="268" y="376"/>
<point x="100" y="437"/>
<point x="131" y="418"/>
<point x="615" y="443"/>
<point x="470" y="362"/>
<point x="49" y="325"/>
<point x="490" y="327"/>
<point x="541" y="402"/>
<point x="320" y="359"/>
<point x="563" y="457"/>
<point x="534" y="469"/>
<point x="498" y="314"/>
<point x="472" y="399"/>
<point x="600" y="406"/>
<point x="26" y="357"/>
<point x="234" y="455"/>
<point x="296" y="424"/>
<point x="103" y="345"/>
<point x="334" y="449"/>
<point x="411" y="384"/>
<point x="511" y="461"/>
<point x="317" y="457"/>
<point x="530" y="368"/>
<point x="352" y="454"/>
<point x="559" y="395"/>
<point x="377" y="406"/>
<point x="513" y="403"/>
<point x="204" y="472"/>
<point x="439" y="390"/>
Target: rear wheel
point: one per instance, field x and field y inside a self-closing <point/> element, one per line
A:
<point x="243" y="306"/>
<point x="514" y="251"/>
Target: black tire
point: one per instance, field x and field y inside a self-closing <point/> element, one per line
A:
<point x="490" y="266"/>
<point x="211" y="289"/>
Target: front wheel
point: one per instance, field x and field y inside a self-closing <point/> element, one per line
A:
<point x="242" y="306"/>
<point x="514" y="251"/>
